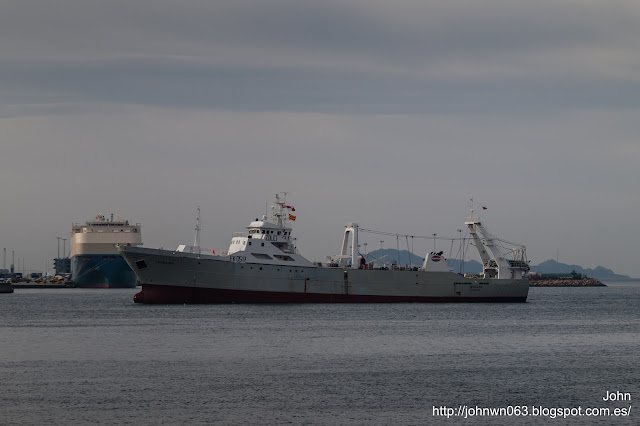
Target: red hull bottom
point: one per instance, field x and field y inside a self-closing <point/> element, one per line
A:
<point x="165" y="294"/>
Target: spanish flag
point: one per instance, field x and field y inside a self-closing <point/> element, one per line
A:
<point x="292" y="217"/>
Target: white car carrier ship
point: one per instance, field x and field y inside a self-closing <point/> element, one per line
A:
<point x="95" y="261"/>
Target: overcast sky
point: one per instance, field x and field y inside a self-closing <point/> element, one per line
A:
<point x="390" y="114"/>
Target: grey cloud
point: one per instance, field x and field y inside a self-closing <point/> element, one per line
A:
<point x="354" y="56"/>
<point x="370" y="25"/>
<point x="167" y="83"/>
<point x="357" y="56"/>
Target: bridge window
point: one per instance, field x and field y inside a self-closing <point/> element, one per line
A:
<point x="281" y="257"/>
<point x="261" y="256"/>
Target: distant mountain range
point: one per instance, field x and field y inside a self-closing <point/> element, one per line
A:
<point x="552" y="267"/>
<point x="404" y="257"/>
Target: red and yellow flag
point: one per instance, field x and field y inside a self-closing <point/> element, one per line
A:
<point x="292" y="217"/>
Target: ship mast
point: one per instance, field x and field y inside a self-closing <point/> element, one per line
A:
<point x="496" y="265"/>
<point x="350" y="235"/>
<point x="278" y="212"/>
<point x="196" y="241"/>
<point x="473" y="222"/>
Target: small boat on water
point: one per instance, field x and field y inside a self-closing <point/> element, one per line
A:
<point x="263" y="266"/>
<point x="6" y="287"/>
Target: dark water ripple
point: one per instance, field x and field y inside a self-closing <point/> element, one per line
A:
<point x="93" y="357"/>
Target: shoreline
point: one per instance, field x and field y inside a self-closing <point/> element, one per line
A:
<point x="36" y="285"/>
<point x="566" y="282"/>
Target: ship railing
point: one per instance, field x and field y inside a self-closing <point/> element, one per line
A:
<point x="240" y="234"/>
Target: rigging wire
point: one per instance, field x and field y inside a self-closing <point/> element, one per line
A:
<point x="450" y="250"/>
<point x="514" y="249"/>
<point x="391" y="234"/>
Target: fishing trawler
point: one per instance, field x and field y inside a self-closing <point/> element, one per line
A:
<point x="262" y="265"/>
<point x="95" y="261"/>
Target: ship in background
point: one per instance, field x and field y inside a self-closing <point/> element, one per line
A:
<point x="95" y="261"/>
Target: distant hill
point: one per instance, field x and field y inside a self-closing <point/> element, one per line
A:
<point x="552" y="267"/>
<point x="404" y="257"/>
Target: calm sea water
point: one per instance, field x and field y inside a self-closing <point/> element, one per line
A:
<point x="78" y="356"/>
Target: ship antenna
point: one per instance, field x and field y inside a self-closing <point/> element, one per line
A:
<point x="278" y="210"/>
<point x="196" y="241"/>
<point x="283" y="217"/>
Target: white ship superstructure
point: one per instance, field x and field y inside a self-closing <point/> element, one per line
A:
<point x="101" y="235"/>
